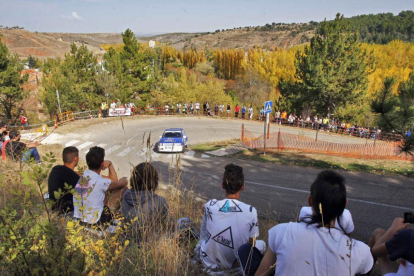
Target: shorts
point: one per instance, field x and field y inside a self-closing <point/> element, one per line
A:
<point x="228" y="111"/>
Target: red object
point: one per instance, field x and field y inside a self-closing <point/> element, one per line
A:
<point x="3" y="150"/>
<point x="237" y="108"/>
<point x="23" y="120"/>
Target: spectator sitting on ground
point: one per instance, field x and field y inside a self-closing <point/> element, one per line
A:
<point x="312" y="246"/>
<point x="92" y="203"/>
<point x="226" y="225"/>
<point x="345" y="221"/>
<point x="16" y="150"/>
<point x="63" y="179"/>
<point x="394" y="249"/>
<point x="142" y="203"/>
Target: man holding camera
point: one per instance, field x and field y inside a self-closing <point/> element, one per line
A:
<point x="394" y="248"/>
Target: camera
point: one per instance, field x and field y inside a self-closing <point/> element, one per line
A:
<point x="408" y="217"/>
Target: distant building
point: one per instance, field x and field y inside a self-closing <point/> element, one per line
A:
<point x="151" y="44"/>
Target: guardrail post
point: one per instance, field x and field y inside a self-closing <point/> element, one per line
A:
<point x="242" y="133"/>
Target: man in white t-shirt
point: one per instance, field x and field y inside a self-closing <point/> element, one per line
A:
<point x="314" y="247"/>
<point x="346" y="222"/>
<point x="394" y="249"/>
<point x="226" y="225"/>
<point x="92" y="202"/>
<point x="197" y="107"/>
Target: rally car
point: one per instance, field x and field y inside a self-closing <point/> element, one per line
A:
<point x="173" y="140"/>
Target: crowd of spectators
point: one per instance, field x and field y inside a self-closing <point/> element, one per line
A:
<point x="318" y="243"/>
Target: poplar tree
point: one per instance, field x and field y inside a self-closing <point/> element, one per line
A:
<point x="333" y="69"/>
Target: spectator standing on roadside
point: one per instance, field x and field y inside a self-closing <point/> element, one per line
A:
<point x="191" y="108"/>
<point x="104" y="108"/>
<point x="216" y="109"/>
<point x="62" y="179"/>
<point x="113" y="104"/>
<point x="167" y="107"/>
<point x="24" y="122"/>
<point x="197" y="108"/>
<point x="243" y="112"/>
<point x="221" y="109"/>
<point x="185" y="108"/>
<point x="204" y="108"/>
<point x="236" y="111"/>
<point x="118" y="103"/>
<point x="228" y="109"/>
<point x="250" y="112"/>
<point x="277" y="117"/>
<point x="262" y="114"/>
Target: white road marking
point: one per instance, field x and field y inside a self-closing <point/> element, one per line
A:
<point x="205" y="156"/>
<point x="125" y="151"/>
<point x="307" y="192"/>
<point x="111" y="150"/>
<point x="142" y="152"/>
<point x="84" y="145"/>
<point x="189" y="154"/>
<point x="155" y="155"/>
<point x="102" y="145"/>
<point x="169" y="156"/>
<point x="71" y="143"/>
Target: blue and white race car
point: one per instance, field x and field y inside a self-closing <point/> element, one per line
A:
<point x="173" y="140"/>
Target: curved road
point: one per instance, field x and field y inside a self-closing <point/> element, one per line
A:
<point x="279" y="190"/>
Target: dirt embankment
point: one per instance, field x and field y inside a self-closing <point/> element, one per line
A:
<point x="53" y="45"/>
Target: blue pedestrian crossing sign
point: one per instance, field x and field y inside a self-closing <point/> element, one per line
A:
<point x="268" y="107"/>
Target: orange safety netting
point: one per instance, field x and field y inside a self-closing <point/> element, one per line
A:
<point x="280" y="140"/>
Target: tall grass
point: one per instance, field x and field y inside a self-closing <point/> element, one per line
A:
<point x="36" y="241"/>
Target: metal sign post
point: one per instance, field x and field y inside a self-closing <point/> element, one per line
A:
<point x="267" y="110"/>
<point x="57" y="94"/>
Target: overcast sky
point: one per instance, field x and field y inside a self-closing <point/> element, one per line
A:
<point x="164" y="16"/>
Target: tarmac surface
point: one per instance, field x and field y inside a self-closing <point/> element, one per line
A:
<point x="276" y="190"/>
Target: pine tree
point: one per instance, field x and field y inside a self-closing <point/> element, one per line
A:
<point x="11" y="92"/>
<point x="333" y="69"/>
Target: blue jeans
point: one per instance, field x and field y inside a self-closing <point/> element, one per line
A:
<point x="31" y="153"/>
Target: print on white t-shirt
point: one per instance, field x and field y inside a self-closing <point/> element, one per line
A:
<point x="89" y="197"/>
<point x="227" y="224"/>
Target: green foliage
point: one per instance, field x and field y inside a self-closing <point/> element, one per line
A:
<point x="32" y="62"/>
<point x="134" y="67"/>
<point x="34" y="241"/>
<point x="11" y="92"/>
<point x="252" y="88"/>
<point x="333" y="70"/>
<point x="186" y="86"/>
<point x="204" y="68"/>
<point x="74" y="78"/>
<point x="384" y="28"/>
<point x="396" y="112"/>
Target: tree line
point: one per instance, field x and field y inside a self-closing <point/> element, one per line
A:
<point x="334" y="76"/>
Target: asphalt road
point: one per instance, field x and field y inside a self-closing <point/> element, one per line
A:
<point x="278" y="190"/>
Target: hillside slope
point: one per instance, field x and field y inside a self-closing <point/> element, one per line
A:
<point x="53" y="45"/>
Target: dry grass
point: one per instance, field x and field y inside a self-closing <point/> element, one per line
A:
<point x="323" y="161"/>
